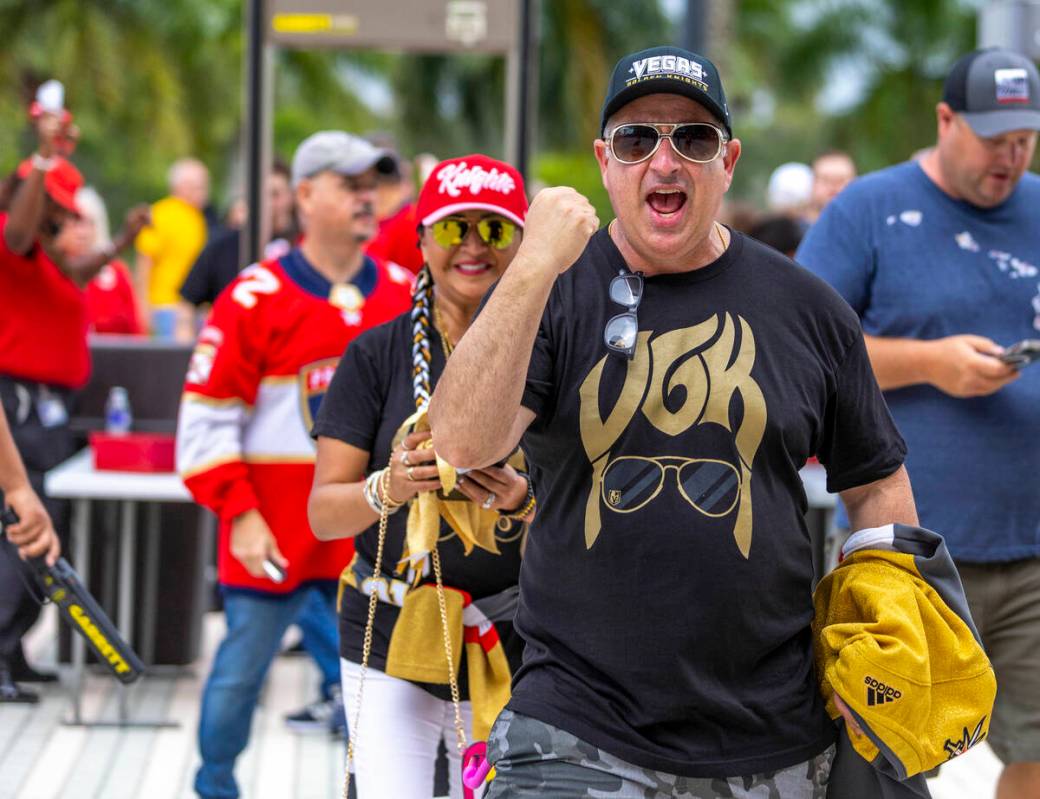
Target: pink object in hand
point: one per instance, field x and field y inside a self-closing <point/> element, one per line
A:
<point x="475" y="767"/>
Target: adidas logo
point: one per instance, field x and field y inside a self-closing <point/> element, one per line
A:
<point x="878" y="693"/>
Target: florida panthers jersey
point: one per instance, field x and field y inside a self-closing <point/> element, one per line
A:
<point x="258" y="374"/>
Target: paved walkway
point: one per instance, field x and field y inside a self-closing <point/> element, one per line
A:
<point x="42" y="759"/>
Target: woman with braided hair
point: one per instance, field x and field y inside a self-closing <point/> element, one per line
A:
<point x="447" y="598"/>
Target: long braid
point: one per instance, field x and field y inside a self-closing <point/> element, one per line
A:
<point x="422" y="316"/>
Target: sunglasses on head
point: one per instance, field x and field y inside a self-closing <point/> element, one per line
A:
<point x="635" y="142"/>
<point x="493" y="231"/>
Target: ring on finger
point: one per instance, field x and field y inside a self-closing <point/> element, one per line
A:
<point x="404" y="457"/>
<point x="408" y="471"/>
<point x="487" y="503"/>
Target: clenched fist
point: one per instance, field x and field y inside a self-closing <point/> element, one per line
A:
<point x="559" y="224"/>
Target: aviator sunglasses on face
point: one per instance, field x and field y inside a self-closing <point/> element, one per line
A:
<point x="621" y="331"/>
<point x="635" y="142"/>
<point x="493" y="231"/>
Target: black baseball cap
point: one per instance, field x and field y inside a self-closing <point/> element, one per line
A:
<point x="666" y="70"/>
<point x="995" y="90"/>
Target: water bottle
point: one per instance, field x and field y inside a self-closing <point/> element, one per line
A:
<point x="118" y="418"/>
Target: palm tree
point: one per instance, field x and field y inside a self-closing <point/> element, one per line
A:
<point x="889" y="55"/>
<point x="147" y="82"/>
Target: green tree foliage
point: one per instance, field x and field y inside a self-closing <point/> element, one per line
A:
<point x="580" y="42"/>
<point x="889" y="56"/>
<point x="152" y="80"/>
<point x="148" y="81"/>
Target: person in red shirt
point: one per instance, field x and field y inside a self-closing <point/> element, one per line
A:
<point x="255" y="382"/>
<point x="111" y="303"/>
<point x="43" y="347"/>
<point x="397" y="238"/>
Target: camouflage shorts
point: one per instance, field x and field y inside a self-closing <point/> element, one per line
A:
<point x="534" y="759"/>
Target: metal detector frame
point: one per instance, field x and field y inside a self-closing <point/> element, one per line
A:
<point x="505" y="27"/>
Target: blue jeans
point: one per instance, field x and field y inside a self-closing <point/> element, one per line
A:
<point x="255" y="625"/>
<point x="313" y="623"/>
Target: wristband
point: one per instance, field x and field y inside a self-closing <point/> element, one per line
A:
<point x="43" y="164"/>
<point x="526" y="507"/>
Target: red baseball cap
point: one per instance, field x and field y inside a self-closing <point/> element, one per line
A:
<point x="472" y="182"/>
<point x="61" y="182"/>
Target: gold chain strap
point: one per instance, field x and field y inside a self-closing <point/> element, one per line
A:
<point x="460" y="733"/>
<point x="366" y="650"/>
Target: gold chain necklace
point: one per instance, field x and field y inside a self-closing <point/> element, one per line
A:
<point x="438" y="322"/>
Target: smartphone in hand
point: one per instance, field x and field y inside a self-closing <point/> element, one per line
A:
<point x="274" y="571"/>
<point x="456" y="494"/>
<point x="1022" y="354"/>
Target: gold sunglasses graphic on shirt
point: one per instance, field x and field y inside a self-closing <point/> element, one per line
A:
<point x="631" y="482"/>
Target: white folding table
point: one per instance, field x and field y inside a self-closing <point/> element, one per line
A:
<point x="77" y="479"/>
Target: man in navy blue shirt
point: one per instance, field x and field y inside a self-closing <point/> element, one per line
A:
<point x="941" y="260"/>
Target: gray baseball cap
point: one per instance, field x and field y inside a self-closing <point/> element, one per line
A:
<point x="995" y="90"/>
<point x="340" y="152"/>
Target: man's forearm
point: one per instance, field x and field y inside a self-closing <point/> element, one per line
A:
<point x="478" y="397"/>
<point x="26" y="213"/>
<point x="889" y="500"/>
<point x="899" y="362"/>
<point x="83" y="269"/>
<point x="12" y="470"/>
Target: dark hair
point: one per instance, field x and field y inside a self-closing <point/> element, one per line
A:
<point x="279" y="167"/>
<point x="781" y="232"/>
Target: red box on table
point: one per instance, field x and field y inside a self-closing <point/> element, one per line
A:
<point x="133" y="452"/>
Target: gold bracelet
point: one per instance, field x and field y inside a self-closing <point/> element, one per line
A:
<point x="529" y="504"/>
<point x="384" y="491"/>
<point x="523" y="512"/>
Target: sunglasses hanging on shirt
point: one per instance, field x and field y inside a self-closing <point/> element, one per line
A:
<point x="621" y="331"/>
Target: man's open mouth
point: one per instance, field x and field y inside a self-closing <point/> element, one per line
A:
<point x="666" y="201"/>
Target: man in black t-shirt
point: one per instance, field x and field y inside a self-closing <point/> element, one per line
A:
<point x="668" y="378"/>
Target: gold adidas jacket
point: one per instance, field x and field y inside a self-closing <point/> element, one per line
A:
<point x="893" y="637"/>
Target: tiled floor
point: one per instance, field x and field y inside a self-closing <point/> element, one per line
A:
<point x="42" y="759"/>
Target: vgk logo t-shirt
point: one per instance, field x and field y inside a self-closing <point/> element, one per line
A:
<point x="666" y="588"/>
<point x="709" y="364"/>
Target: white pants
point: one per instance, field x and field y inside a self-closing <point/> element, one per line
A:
<point x="401" y="727"/>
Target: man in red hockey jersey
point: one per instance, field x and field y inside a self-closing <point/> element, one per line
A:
<point x="254" y="385"/>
